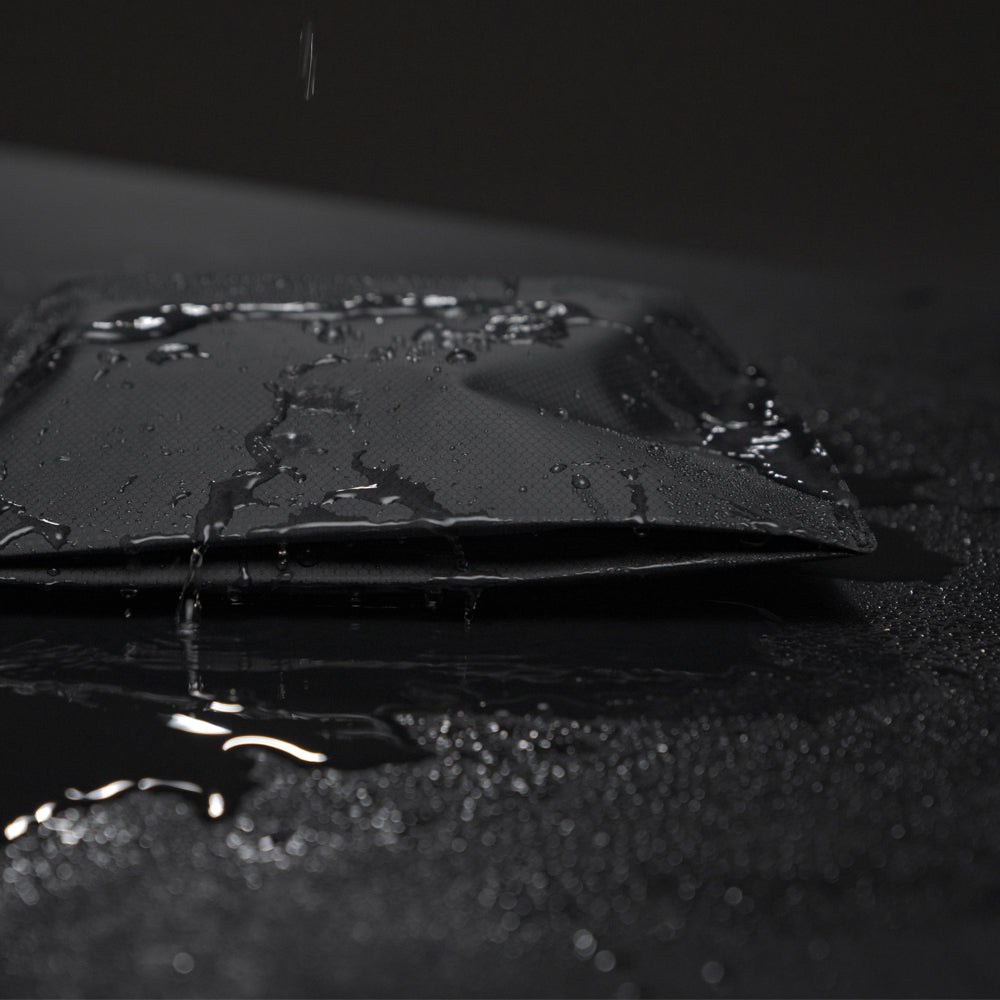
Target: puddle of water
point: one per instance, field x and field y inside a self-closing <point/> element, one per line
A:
<point x="895" y="491"/>
<point x="84" y="721"/>
<point x="900" y="556"/>
<point x="93" y="706"/>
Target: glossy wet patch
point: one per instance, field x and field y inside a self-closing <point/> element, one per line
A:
<point x="90" y="720"/>
<point x="900" y="556"/>
<point x="114" y="706"/>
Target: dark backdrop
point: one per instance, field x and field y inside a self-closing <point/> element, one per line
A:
<point x="821" y="132"/>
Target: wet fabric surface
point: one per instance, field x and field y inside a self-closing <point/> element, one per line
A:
<point x="247" y="417"/>
<point x="780" y="780"/>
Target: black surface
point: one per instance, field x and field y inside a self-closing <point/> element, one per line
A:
<point x="779" y="782"/>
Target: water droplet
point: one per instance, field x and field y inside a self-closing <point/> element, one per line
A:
<point x="381" y="354"/>
<point x="108" y="358"/>
<point x="320" y="329"/>
<point x="294" y="371"/>
<point x="558" y="467"/>
<point x="712" y="972"/>
<point x="562" y="413"/>
<point x="584" y="943"/>
<point x="580" y="482"/>
<point x="335" y="333"/>
<point x="163" y="353"/>
<point x="459" y="356"/>
<point x="604" y="961"/>
<point x="183" y="963"/>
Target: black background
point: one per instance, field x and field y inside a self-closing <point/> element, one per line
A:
<point x="813" y="132"/>
<point x="836" y="728"/>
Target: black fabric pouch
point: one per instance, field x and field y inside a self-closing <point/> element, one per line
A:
<point x="246" y="433"/>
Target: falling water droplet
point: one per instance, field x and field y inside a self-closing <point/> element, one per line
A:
<point x="307" y="59"/>
<point x="471" y="601"/>
<point x="189" y="603"/>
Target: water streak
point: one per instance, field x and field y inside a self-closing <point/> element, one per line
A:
<point x="20" y="523"/>
<point x="307" y="59"/>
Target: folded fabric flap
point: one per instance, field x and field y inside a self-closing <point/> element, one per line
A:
<point x="443" y="562"/>
<point x="243" y="414"/>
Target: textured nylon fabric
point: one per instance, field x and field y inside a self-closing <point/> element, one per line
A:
<point x="366" y="432"/>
